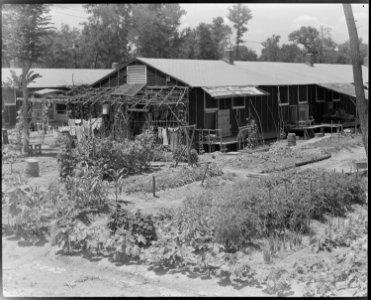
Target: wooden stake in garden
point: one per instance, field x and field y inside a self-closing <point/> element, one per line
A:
<point x="203" y="178"/>
<point x="154" y="186"/>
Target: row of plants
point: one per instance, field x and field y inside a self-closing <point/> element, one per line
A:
<point x="202" y="235"/>
<point x="174" y="177"/>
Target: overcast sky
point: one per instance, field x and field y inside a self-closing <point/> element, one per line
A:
<point x="268" y="19"/>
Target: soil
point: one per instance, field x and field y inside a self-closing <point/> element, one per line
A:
<point x="40" y="270"/>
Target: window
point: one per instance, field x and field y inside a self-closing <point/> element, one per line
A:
<point x="303" y="93"/>
<point x="335" y="97"/>
<point x="283" y="92"/>
<point x="8" y="97"/>
<point x="210" y="120"/>
<point x="320" y="95"/>
<point x="238" y="102"/>
<point x="61" y="109"/>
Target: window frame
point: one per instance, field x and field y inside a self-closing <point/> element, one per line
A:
<point x="320" y="100"/>
<point x="307" y="94"/>
<point x="287" y="96"/>
<point x="238" y="106"/>
<point x="335" y="99"/>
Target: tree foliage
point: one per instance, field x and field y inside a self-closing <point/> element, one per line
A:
<point x="221" y="34"/>
<point x="271" y="50"/>
<point x="206" y="47"/>
<point x="105" y="37"/>
<point x="63" y="50"/>
<point x="156" y="29"/>
<point x="246" y="54"/>
<point x="25" y="28"/>
<point x="239" y="15"/>
<point x="306" y="36"/>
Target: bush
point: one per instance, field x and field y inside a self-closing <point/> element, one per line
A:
<point x="140" y="226"/>
<point x="27" y="210"/>
<point x="107" y="154"/>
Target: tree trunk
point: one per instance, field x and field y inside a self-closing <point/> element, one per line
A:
<point x="361" y="103"/>
<point x="25" y="111"/>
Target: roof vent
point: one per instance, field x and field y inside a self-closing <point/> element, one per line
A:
<point x="115" y="66"/>
<point x="228" y="56"/>
<point x="309" y="59"/>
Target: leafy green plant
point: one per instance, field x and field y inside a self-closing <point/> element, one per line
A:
<point x="27" y="210"/>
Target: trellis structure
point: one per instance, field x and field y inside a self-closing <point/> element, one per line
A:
<point x="87" y="102"/>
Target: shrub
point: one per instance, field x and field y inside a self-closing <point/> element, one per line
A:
<point x="27" y="211"/>
<point x="107" y="154"/>
<point x="140" y="226"/>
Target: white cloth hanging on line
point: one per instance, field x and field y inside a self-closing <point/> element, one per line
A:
<point x="164" y="137"/>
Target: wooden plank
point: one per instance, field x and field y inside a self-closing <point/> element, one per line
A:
<point x="138" y="109"/>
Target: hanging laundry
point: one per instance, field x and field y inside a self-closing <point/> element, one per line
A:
<point x="173" y="136"/>
<point x="159" y="133"/>
<point x="165" y="141"/>
<point x="96" y="123"/>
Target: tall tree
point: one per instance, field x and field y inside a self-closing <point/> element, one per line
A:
<point x="306" y="36"/>
<point x="239" y="15"/>
<point x="206" y="47"/>
<point x="326" y="46"/>
<point x="188" y="44"/>
<point x="156" y="29"/>
<point x="63" y="49"/>
<point x="271" y="49"/>
<point x="106" y="34"/>
<point x="221" y="34"/>
<point x="344" y="56"/>
<point x="290" y="53"/>
<point x="24" y="29"/>
<point x="362" y="104"/>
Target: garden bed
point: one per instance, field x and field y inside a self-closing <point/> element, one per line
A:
<point x="287" y="234"/>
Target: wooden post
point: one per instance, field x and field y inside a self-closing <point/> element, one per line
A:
<point x="154" y="185"/>
<point x="207" y="166"/>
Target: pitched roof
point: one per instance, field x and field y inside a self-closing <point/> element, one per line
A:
<point x="272" y="73"/>
<point x="214" y="73"/>
<point x="343" y="88"/>
<point x="57" y="78"/>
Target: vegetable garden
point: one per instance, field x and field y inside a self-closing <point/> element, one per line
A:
<point x="86" y="214"/>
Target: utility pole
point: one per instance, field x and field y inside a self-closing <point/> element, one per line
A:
<point x="361" y="103"/>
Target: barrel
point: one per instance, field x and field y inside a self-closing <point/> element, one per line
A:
<point x="32" y="168"/>
<point x="291" y="139"/>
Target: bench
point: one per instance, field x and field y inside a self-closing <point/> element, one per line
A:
<point x="34" y="149"/>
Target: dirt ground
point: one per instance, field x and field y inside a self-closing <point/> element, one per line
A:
<point x="36" y="271"/>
